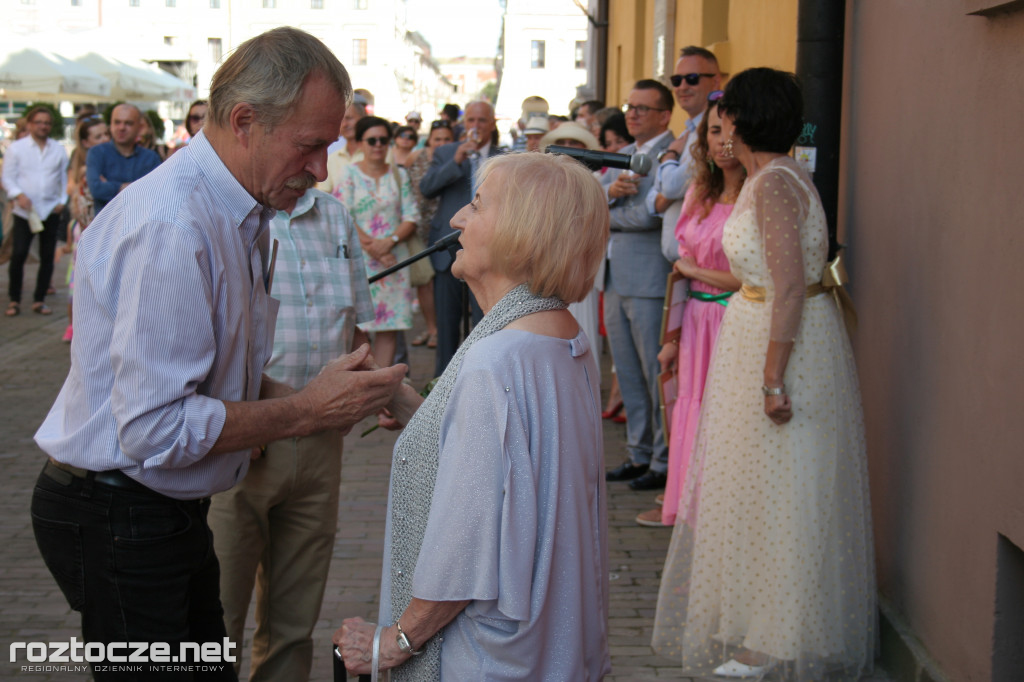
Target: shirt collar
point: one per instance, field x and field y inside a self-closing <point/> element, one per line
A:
<point x="238" y="202"/>
<point x="305" y="204"/>
<point x="646" y="147"/>
<point x="691" y="125"/>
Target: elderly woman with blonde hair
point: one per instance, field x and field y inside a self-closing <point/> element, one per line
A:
<point x="495" y="554"/>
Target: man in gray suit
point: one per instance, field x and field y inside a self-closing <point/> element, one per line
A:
<point x="635" y="289"/>
<point x="450" y="177"/>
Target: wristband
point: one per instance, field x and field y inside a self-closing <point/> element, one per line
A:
<point x="773" y="390"/>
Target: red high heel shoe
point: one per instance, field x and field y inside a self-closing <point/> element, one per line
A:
<point x="612" y="411"/>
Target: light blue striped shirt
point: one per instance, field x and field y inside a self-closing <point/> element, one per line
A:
<point x="172" y="317"/>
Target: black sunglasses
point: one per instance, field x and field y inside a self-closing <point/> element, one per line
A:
<point x="375" y="141"/>
<point x="691" y="78"/>
<point x="407" y="136"/>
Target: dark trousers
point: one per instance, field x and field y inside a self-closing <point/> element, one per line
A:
<point x="22" y="236"/>
<point x="139" y="567"/>
<point x="450" y="306"/>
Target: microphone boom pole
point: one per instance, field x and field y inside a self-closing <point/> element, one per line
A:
<point x="443" y="243"/>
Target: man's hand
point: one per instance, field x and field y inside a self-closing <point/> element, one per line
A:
<point x="349" y="389"/>
<point x="471" y="144"/>
<point x="624" y="186"/>
<point x="661" y="203"/>
<point x="678" y="145"/>
<point x="23" y="202"/>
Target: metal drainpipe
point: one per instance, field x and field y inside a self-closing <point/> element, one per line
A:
<point x="600" y="33"/>
<point x="819" y="64"/>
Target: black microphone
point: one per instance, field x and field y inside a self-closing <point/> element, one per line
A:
<point x="638" y="163"/>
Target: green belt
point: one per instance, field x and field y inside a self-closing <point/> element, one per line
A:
<point x="711" y="298"/>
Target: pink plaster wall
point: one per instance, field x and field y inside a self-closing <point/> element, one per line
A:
<point x="933" y="214"/>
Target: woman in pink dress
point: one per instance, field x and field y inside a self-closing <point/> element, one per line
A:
<point x="708" y="204"/>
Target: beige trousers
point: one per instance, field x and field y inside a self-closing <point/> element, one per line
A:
<point x="275" y="531"/>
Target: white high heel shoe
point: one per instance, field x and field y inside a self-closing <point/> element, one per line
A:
<point x="733" y="668"/>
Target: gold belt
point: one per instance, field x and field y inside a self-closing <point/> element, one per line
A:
<point x="832" y="281"/>
<point x="757" y="294"/>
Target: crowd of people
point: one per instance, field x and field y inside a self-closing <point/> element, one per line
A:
<point x="226" y="289"/>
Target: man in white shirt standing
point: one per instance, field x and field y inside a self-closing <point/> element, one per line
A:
<point x="35" y="177"/>
<point x="696" y="76"/>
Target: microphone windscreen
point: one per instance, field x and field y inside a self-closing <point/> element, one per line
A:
<point x="640" y="164"/>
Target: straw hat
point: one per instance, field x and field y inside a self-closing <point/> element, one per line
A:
<point x="536" y="125"/>
<point x="533" y="105"/>
<point x="570" y="131"/>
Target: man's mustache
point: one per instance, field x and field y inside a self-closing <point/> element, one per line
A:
<point x="301" y="182"/>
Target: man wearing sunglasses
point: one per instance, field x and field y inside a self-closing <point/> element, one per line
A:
<point x="696" y="76"/>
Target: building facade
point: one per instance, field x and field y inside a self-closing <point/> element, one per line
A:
<point x="545" y="53"/>
<point x="191" y="37"/>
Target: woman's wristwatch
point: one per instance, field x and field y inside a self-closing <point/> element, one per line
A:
<point x="404" y="645"/>
<point x="661" y="156"/>
<point x="395" y="238"/>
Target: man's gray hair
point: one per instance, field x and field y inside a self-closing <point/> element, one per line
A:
<point x="269" y="71"/>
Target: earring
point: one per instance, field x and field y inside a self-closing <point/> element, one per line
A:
<point x="711" y="165"/>
<point x="727" y="149"/>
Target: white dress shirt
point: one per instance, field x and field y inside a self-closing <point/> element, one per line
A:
<point x="38" y="173"/>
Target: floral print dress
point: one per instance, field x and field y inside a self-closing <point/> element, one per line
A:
<point x="379" y="206"/>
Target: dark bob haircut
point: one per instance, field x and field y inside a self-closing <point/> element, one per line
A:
<point x="367" y="122"/>
<point x="766" y="107"/>
<point x="617" y="124"/>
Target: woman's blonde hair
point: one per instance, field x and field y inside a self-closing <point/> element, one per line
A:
<point x="552" y="223"/>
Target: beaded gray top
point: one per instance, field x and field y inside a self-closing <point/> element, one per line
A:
<point x="414" y="470"/>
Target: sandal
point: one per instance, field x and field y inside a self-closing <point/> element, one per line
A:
<point x="41" y="309"/>
<point x="13" y="308"/>
<point x="421" y="339"/>
<point x="432" y="342"/>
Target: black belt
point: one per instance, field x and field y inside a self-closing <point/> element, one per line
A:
<point x="115" y="478"/>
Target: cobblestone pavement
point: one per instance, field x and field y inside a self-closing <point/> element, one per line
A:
<point x="33" y="364"/>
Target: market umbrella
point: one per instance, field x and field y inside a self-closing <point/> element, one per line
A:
<point x="28" y="73"/>
<point x="127" y="81"/>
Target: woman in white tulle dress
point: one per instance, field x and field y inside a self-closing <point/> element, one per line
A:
<point x="774" y="577"/>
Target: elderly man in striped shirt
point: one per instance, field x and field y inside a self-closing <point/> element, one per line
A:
<point x="166" y="398"/>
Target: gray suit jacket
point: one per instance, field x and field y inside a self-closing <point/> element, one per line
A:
<point x="451" y="182"/>
<point x="636" y="265"/>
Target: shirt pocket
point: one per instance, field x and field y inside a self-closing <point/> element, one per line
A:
<point x="331" y="283"/>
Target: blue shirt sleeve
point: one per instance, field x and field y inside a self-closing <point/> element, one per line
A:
<point x="95" y="167"/>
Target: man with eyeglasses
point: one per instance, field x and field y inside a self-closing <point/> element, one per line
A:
<point x="634" y="289"/>
<point x="696" y="76"/>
